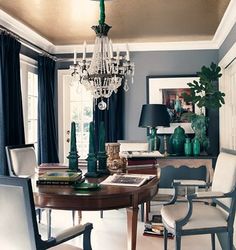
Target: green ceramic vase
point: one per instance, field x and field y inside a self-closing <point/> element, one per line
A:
<point x="188" y="147"/>
<point x="177" y="141"/>
<point x="196" y="146"/>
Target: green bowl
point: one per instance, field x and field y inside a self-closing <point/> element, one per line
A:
<point x="86" y="186"/>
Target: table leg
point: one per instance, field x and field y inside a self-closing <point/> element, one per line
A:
<point x="147" y="209"/>
<point x="79" y="216"/>
<point x="132" y="219"/>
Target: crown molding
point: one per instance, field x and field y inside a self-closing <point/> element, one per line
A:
<point x="158" y="46"/>
<point x="25" y="32"/>
<point x="226" y="24"/>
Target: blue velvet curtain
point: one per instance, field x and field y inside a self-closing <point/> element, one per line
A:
<point x="47" y="147"/>
<point x="11" y="113"/>
<point x="113" y="118"/>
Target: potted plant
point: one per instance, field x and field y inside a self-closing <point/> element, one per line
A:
<point x="205" y="94"/>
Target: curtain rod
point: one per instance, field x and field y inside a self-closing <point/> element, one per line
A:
<point x="27" y="43"/>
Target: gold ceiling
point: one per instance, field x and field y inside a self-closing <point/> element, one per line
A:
<point x="65" y="22"/>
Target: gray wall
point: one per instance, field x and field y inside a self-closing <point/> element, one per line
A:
<point x="228" y="42"/>
<point x="158" y="63"/>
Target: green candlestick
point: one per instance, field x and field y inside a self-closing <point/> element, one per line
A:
<point x="102" y="156"/>
<point x="91" y="137"/>
<point x="102" y="137"/>
<point x="91" y="159"/>
<point x="73" y="154"/>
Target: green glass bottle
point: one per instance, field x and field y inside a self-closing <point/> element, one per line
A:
<point x="188" y="147"/>
<point x="196" y="146"/>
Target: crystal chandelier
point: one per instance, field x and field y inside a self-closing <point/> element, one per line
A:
<point x="104" y="73"/>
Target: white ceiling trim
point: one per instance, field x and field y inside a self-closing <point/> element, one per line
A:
<point x="25" y="32"/>
<point x="159" y="46"/>
<point x="227" y="22"/>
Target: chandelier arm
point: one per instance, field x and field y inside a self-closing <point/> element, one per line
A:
<point x="102" y="12"/>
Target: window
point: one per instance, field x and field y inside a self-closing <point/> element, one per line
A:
<point x="81" y="112"/>
<point x="32" y="116"/>
<point x="29" y="89"/>
<point x="75" y="104"/>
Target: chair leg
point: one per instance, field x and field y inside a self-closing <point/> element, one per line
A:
<point x="213" y="245"/>
<point x="177" y="242"/>
<point x="73" y="217"/>
<point x="101" y="214"/>
<point x="142" y="212"/>
<point x="49" y="211"/>
<point x="165" y="238"/>
<point x="39" y="213"/>
<point x="230" y="241"/>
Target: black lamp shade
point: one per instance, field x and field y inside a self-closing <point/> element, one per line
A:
<point x="154" y="115"/>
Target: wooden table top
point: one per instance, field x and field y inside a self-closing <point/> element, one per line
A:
<point x="106" y="197"/>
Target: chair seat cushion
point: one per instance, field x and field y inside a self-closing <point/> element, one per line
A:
<point x="203" y="216"/>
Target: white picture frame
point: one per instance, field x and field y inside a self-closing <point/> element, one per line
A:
<point x="155" y="86"/>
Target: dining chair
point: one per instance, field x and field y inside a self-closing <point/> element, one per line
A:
<point x="22" y="162"/>
<point x="215" y="215"/>
<point x="19" y="231"/>
<point x="165" y="193"/>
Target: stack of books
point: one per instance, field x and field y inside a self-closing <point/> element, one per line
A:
<point x="155" y="227"/>
<point x="59" y="178"/>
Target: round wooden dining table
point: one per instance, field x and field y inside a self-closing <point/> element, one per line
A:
<point x="107" y="197"/>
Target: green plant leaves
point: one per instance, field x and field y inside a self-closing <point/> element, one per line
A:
<point x="204" y="92"/>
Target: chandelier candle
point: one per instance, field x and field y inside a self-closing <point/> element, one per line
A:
<point x="105" y="72"/>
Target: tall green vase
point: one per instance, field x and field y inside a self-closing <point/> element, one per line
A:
<point x="188" y="147"/>
<point x="177" y="141"/>
<point x="196" y="146"/>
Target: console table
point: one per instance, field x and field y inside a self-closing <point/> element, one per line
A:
<point x="152" y="165"/>
<point x="175" y="161"/>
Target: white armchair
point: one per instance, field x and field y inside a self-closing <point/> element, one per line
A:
<point x="18" y="227"/>
<point x="203" y="218"/>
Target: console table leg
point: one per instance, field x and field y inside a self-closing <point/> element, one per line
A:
<point x="132" y="219"/>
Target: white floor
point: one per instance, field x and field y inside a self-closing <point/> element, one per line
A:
<point x="109" y="233"/>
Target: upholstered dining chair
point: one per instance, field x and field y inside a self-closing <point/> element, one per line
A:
<point x="22" y="162"/>
<point x="19" y="231"/>
<point x="216" y="216"/>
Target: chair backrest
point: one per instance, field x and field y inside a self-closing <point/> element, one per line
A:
<point x="21" y="160"/>
<point x="18" y="226"/>
<point x="224" y="179"/>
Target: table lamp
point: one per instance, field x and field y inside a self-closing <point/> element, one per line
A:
<point x="153" y="116"/>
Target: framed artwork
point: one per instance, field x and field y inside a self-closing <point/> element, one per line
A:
<point x="168" y="90"/>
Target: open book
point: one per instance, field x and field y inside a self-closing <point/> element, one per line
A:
<point x="134" y="180"/>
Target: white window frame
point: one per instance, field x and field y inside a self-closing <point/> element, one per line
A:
<point x="62" y="128"/>
<point x="27" y="64"/>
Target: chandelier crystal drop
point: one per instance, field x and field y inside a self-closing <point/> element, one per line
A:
<point x="106" y="71"/>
